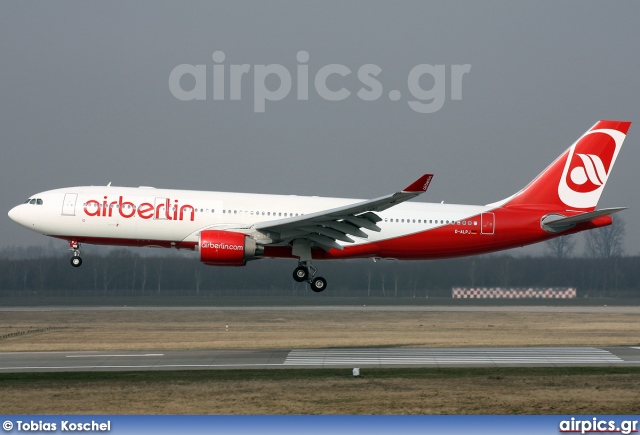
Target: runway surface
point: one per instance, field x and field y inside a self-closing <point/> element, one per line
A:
<point x="319" y="358"/>
<point x="601" y="309"/>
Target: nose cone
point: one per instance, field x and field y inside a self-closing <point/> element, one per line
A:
<point x="17" y="214"/>
<point x="23" y="216"/>
<point x="13" y="214"/>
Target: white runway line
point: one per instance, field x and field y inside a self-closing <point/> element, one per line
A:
<point x="106" y="356"/>
<point x="157" y="366"/>
<point x="449" y="356"/>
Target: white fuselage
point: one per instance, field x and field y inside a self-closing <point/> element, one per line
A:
<point x="141" y="214"/>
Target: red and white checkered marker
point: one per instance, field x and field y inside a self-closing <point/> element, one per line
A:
<point x="513" y="293"/>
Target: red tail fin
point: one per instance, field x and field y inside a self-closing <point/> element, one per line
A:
<point x="576" y="179"/>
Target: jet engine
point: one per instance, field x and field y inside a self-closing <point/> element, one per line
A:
<point x="226" y="248"/>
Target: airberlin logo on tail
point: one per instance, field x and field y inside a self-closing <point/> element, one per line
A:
<point x="590" y="175"/>
<point x="587" y="167"/>
<point x="166" y="209"/>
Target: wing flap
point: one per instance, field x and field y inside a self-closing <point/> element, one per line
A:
<point x="329" y="232"/>
<point x="346" y="228"/>
<point x="324" y="242"/>
<point x="363" y="223"/>
<point x="370" y="216"/>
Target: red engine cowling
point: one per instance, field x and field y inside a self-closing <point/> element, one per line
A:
<point x="226" y="248"/>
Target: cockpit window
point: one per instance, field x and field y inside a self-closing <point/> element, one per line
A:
<point x="27" y="201"/>
<point x="39" y="201"/>
<point x="33" y="201"/>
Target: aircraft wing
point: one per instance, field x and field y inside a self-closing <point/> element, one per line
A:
<point x="323" y="228"/>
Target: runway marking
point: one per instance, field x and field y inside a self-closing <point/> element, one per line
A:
<point x="139" y="367"/>
<point x="325" y="358"/>
<point x="449" y="356"/>
<point x="26" y="310"/>
<point x="105" y="356"/>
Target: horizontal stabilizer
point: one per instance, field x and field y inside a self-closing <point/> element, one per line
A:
<point x="557" y="223"/>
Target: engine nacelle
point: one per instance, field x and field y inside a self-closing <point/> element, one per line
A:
<point x="226" y="248"/>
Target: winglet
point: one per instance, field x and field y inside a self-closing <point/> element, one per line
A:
<point x="420" y="185"/>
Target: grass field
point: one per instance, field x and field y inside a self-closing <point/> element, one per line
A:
<point x="168" y="330"/>
<point x="378" y="391"/>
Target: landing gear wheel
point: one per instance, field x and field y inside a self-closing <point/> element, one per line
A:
<point x="318" y="284"/>
<point x="76" y="261"/>
<point x="300" y="274"/>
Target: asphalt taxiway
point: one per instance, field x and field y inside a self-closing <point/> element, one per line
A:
<point x="319" y="358"/>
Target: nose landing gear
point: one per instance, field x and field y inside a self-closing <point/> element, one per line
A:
<point x="74" y="246"/>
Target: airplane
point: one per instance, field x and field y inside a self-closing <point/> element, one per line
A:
<point x="229" y="229"/>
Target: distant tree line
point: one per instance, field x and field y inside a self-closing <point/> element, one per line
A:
<point x="36" y="272"/>
<point x="126" y="274"/>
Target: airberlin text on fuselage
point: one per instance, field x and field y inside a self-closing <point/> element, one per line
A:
<point x="162" y="210"/>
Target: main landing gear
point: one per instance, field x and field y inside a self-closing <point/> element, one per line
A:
<point x="301" y="274"/>
<point x="74" y="246"/>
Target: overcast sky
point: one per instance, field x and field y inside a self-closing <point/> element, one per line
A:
<point x="85" y="97"/>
